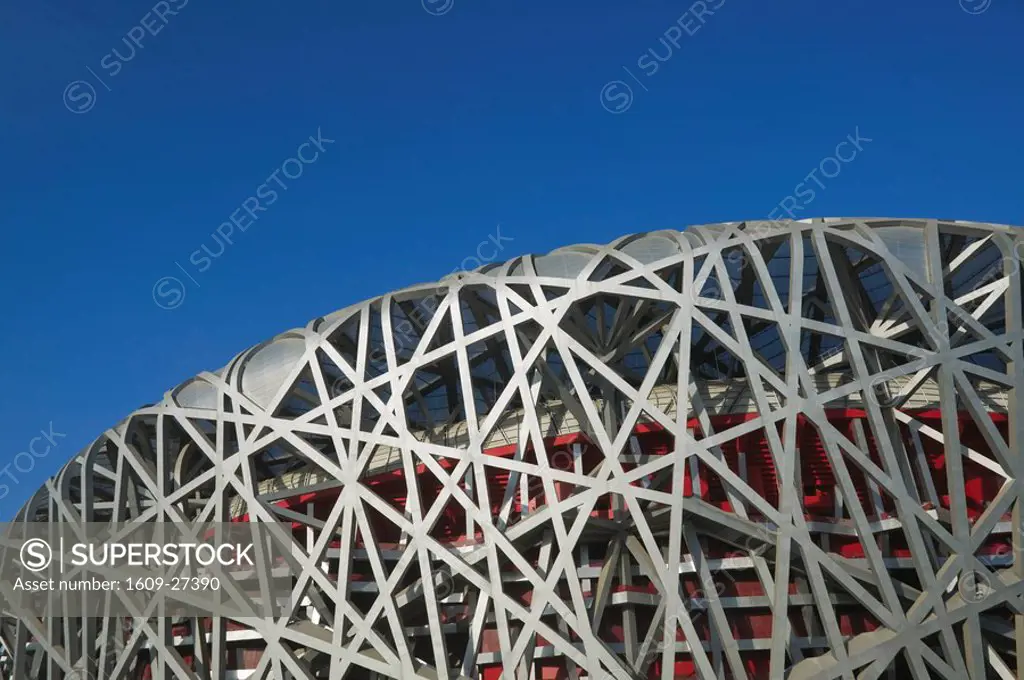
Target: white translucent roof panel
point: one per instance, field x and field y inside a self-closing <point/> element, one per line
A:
<point x="648" y="249"/>
<point x="269" y="367"/>
<point x="197" y="394"/>
<point x="567" y="265"/>
<point x="907" y="245"/>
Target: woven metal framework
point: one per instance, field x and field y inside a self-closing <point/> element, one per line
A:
<point x="748" y="450"/>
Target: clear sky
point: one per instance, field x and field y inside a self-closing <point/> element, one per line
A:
<point x="449" y="117"/>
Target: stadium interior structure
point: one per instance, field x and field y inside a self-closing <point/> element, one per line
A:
<point x="741" y="450"/>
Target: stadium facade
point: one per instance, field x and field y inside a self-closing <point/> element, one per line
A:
<point x="741" y="450"/>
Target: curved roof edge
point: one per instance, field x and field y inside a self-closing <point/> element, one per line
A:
<point x="645" y="247"/>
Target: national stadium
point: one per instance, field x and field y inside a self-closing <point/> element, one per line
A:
<point x="740" y="450"/>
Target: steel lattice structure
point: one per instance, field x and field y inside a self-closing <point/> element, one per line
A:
<point x="748" y="450"/>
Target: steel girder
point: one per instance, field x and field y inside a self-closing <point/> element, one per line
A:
<point x="508" y="469"/>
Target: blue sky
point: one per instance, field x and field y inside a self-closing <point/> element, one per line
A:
<point x="448" y="117"/>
